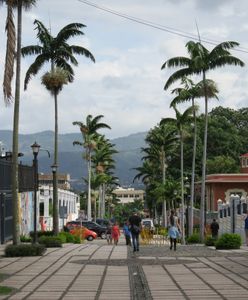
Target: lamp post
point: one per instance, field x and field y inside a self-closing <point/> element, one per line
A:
<point x="55" y="200"/>
<point x="35" y="147"/>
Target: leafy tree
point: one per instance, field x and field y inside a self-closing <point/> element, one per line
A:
<point x="199" y="62"/>
<point x="57" y="52"/>
<point x="221" y="165"/>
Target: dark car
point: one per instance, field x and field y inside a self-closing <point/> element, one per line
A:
<point x="100" y="230"/>
<point x="102" y="222"/>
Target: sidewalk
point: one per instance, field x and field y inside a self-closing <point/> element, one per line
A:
<point x="95" y="270"/>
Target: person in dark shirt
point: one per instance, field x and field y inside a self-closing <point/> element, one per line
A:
<point x="214" y="229"/>
<point x="135" y="228"/>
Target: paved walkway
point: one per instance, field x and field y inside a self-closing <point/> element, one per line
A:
<point x="98" y="271"/>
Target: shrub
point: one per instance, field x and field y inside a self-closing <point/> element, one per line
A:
<point x="25" y="239"/>
<point x="194" y="239"/>
<point x="24" y="250"/>
<point x="77" y="239"/>
<point x="66" y="237"/>
<point x="228" y="241"/>
<point x="41" y="233"/>
<point x="5" y="290"/>
<point x="51" y="241"/>
<point x="210" y="241"/>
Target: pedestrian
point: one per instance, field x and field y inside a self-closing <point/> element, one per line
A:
<point x="135" y="228"/>
<point x="127" y="233"/>
<point x="173" y="231"/>
<point x="214" y="229"/>
<point x="115" y="233"/>
<point x="108" y="233"/>
<point x="246" y="227"/>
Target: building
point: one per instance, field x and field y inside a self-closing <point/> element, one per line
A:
<point x="221" y="186"/>
<point x="128" y="195"/>
<point x="69" y="205"/>
<point x="63" y="180"/>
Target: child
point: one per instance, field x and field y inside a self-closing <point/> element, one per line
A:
<point x="174" y="235"/>
<point x="115" y="233"/>
<point x="127" y="234"/>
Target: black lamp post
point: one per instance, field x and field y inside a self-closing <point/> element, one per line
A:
<point x="35" y="147"/>
<point x="55" y="200"/>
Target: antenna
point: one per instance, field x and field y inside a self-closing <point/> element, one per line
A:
<point x="198" y="32"/>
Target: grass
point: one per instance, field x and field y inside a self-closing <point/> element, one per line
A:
<point x="5" y="290"/>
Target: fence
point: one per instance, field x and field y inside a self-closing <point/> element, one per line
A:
<point x="231" y="215"/>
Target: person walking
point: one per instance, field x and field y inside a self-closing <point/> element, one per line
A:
<point x="135" y="228"/>
<point x="127" y="233"/>
<point x="214" y="226"/>
<point x="109" y="233"/>
<point x="173" y="231"/>
<point x="115" y="233"/>
<point x="246" y="227"/>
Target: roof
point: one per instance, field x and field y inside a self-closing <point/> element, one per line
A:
<point x="244" y="155"/>
<point x="240" y="177"/>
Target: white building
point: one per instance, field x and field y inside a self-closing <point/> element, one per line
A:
<point x="128" y="195"/>
<point x="69" y="205"/>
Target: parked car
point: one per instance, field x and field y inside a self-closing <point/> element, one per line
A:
<point x="100" y="230"/>
<point x="148" y="223"/>
<point x="102" y="222"/>
<point x="85" y="232"/>
<point x="72" y="225"/>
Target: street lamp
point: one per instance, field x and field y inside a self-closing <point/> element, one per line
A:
<point x="35" y="147"/>
<point x="55" y="200"/>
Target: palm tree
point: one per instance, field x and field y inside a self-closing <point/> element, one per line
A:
<point x="179" y="122"/>
<point x="89" y="132"/>
<point x="191" y="91"/>
<point x="199" y="62"/>
<point x="57" y="52"/>
<point x="8" y="76"/>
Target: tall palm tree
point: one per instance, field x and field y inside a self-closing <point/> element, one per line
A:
<point x="89" y="131"/>
<point x="199" y="62"/>
<point x="179" y="122"/>
<point x="11" y="53"/>
<point x="190" y="92"/>
<point x="57" y="52"/>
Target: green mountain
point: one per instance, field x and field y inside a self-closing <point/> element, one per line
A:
<point x="70" y="157"/>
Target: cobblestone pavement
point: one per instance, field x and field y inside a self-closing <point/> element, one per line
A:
<point x="95" y="270"/>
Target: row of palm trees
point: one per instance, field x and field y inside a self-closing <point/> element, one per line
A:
<point x="98" y="152"/>
<point x="199" y="62"/>
<point x="49" y="49"/>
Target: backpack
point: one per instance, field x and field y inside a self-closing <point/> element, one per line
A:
<point x="135" y="229"/>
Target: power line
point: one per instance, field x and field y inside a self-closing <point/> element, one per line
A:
<point x="158" y="26"/>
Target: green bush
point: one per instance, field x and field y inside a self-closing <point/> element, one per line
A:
<point x="5" y="290"/>
<point x="41" y="233"/>
<point x="25" y="239"/>
<point x="67" y="237"/>
<point x="229" y="241"/>
<point x="194" y="239"/>
<point x="210" y="241"/>
<point x="24" y="250"/>
<point x="77" y="239"/>
<point x="51" y="241"/>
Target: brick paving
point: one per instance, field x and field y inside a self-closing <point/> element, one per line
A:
<point x="95" y="270"/>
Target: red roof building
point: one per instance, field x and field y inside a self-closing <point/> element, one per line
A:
<point x="221" y="186"/>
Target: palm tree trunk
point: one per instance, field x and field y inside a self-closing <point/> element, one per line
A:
<point x="103" y="199"/>
<point x="192" y="192"/>
<point x="89" y="188"/>
<point x="204" y="160"/>
<point x="100" y="201"/>
<point x="55" y="179"/>
<point x="15" y="143"/>
<point x="182" y="188"/>
<point x="163" y="181"/>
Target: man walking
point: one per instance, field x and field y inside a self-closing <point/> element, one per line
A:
<point x="135" y="228"/>
<point x="214" y="229"/>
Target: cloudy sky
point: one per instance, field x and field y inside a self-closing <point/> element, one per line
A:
<point x="126" y="82"/>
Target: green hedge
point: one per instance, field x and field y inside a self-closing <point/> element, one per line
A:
<point x="67" y="237"/>
<point x="24" y="250"/>
<point x="194" y="239"/>
<point x="210" y="241"/>
<point x="41" y="233"/>
<point x="229" y="241"/>
<point x="25" y="239"/>
<point x="51" y="241"/>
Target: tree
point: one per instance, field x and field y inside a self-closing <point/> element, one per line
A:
<point x="192" y="91"/>
<point x="179" y="122"/>
<point x="8" y="75"/>
<point x="89" y="132"/>
<point x="60" y="55"/>
<point x="199" y="62"/>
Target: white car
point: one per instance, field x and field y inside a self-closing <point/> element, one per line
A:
<point x="148" y="223"/>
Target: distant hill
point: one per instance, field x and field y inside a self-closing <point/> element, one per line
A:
<point x="70" y="157"/>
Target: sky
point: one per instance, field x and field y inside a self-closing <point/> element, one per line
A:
<point x="126" y="83"/>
